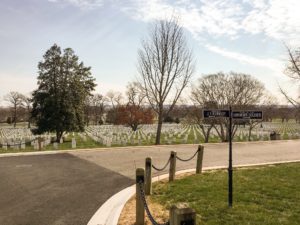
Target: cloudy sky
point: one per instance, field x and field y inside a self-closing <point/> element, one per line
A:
<point x="226" y="35"/>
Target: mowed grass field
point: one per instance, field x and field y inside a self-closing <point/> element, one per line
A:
<point x="262" y="195"/>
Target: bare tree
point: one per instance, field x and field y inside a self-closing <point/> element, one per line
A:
<point x="99" y="103"/>
<point x="28" y="106"/>
<point x="94" y="108"/>
<point x="165" y="65"/>
<point x="16" y="100"/>
<point x="115" y="99"/>
<point x="238" y="90"/>
<point x="135" y="94"/>
<point x="205" y="124"/>
<point x="88" y="111"/>
<point x="293" y="71"/>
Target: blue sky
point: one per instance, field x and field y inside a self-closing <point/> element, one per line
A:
<point x="225" y="35"/>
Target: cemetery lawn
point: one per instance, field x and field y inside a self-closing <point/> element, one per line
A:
<point x="262" y="195"/>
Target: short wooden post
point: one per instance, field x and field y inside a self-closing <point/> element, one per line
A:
<point x="172" y="166"/>
<point x="148" y="176"/>
<point x="181" y="214"/>
<point x="140" y="211"/>
<point x="199" y="159"/>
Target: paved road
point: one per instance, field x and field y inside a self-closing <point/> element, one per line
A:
<point x="54" y="189"/>
<point x="125" y="160"/>
<point x="68" y="188"/>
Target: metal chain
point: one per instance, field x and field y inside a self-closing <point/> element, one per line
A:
<point x="161" y="169"/>
<point x="186" y="160"/>
<point x="153" y="221"/>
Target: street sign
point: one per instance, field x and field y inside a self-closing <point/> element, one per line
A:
<point x="215" y="113"/>
<point x="256" y="115"/>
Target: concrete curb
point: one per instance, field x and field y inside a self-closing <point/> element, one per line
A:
<point x="110" y="211"/>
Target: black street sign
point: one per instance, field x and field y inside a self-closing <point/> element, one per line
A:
<point x="255" y="115"/>
<point x="215" y="113"/>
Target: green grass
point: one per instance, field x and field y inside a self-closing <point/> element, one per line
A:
<point x="262" y="195"/>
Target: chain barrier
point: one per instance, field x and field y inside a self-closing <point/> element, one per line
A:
<point x="161" y="169"/>
<point x="153" y="221"/>
<point x="186" y="160"/>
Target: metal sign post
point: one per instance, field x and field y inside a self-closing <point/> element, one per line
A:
<point x="224" y="114"/>
<point x="256" y="115"/>
<point x="230" y="160"/>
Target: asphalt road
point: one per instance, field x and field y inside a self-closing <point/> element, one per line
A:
<point x="125" y="160"/>
<point x="68" y="188"/>
<point x="56" y="189"/>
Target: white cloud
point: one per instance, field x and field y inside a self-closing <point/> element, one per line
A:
<point x="83" y="4"/>
<point x="278" y="19"/>
<point x="274" y="65"/>
<point x="275" y="19"/>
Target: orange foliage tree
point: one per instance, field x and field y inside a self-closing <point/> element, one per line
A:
<point x="133" y="116"/>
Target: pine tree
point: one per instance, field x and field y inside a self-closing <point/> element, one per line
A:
<point x="63" y="85"/>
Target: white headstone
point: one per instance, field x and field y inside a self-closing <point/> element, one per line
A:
<point x="73" y="143"/>
<point x="17" y="146"/>
<point x="108" y="143"/>
<point x="55" y="145"/>
<point x="36" y="145"/>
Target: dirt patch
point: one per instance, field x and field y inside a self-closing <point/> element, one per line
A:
<point x="127" y="217"/>
<point x="160" y="214"/>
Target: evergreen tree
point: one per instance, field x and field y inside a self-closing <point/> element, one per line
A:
<point x="63" y="85"/>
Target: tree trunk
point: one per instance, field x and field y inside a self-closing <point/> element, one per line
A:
<point x="58" y="136"/>
<point x="158" y="132"/>
<point x="15" y="117"/>
<point x="249" y="135"/>
<point x="206" y="134"/>
<point x="206" y="138"/>
<point x="134" y="127"/>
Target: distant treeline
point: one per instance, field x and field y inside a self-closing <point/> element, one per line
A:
<point x="103" y="114"/>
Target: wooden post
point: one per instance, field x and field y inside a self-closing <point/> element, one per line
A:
<point x="140" y="211"/>
<point x="199" y="159"/>
<point x="148" y="176"/>
<point x="181" y="214"/>
<point x="172" y="166"/>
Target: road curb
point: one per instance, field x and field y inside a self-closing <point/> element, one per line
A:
<point x="110" y="211"/>
<point x="50" y="152"/>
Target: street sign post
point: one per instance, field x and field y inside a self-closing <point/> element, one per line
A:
<point x="230" y="160"/>
<point x="256" y="115"/>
